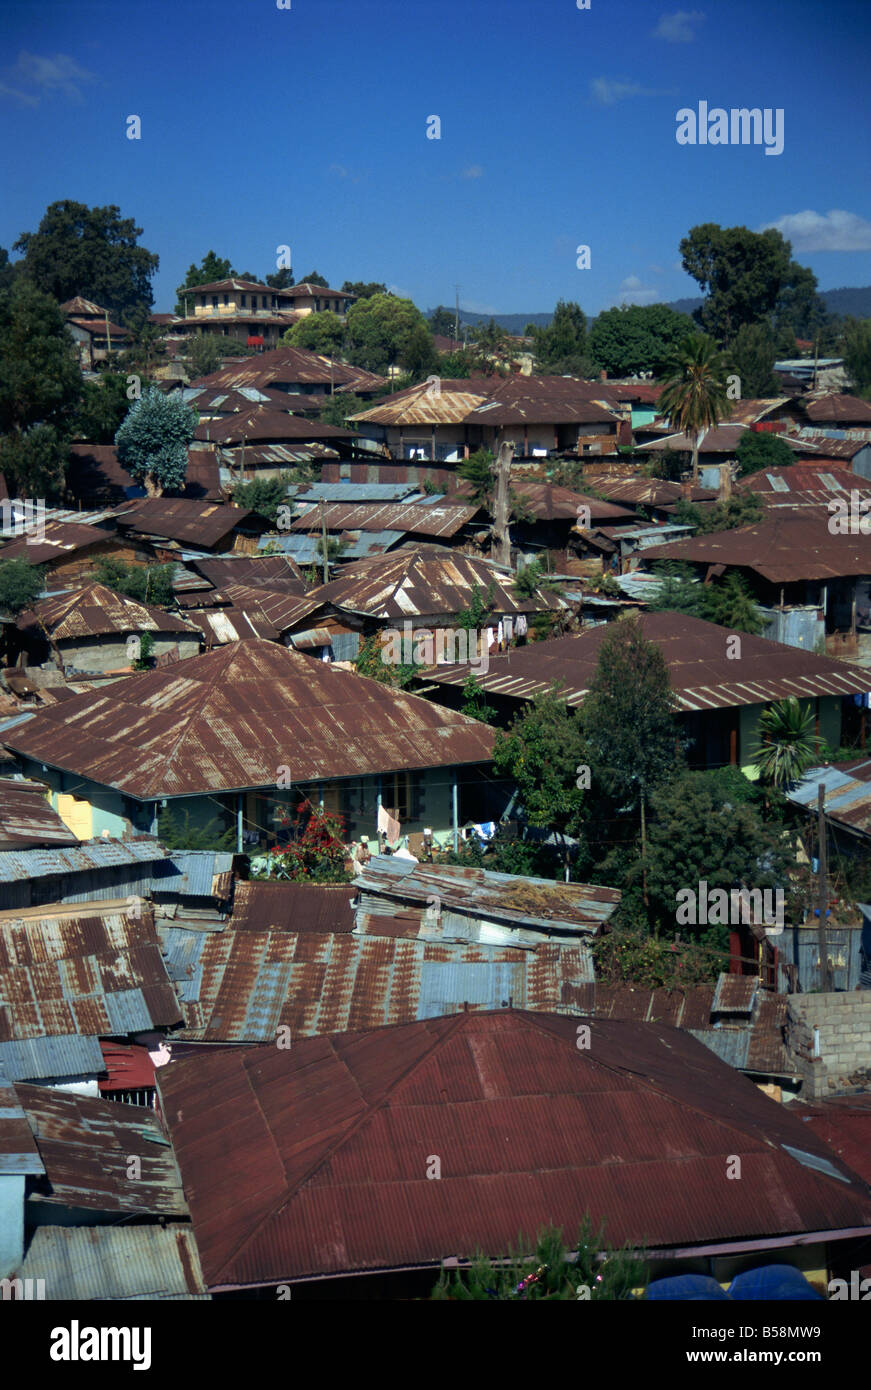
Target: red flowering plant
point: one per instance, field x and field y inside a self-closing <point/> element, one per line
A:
<point x="319" y="855"/>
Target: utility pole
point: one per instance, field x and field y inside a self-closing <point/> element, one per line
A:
<point x="457" y="318"/>
<point x="502" y="468"/>
<point x="108" y="343"/>
<point x="326" y="567"/>
<point x="825" y="983"/>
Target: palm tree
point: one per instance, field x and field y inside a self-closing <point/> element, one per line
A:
<point x="789" y="746"/>
<point x="694" y="395"/>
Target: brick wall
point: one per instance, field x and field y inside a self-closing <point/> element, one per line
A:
<point x="844" y="1021"/>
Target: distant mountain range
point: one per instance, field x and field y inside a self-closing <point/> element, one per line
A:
<point x="855" y="301"/>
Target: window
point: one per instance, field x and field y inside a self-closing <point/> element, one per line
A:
<point x="214" y="301"/>
<point x="226" y="299"/>
<point x="396" y="794"/>
<point x="244" y="301"/>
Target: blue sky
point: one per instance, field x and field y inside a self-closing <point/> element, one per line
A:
<point x="263" y="127"/>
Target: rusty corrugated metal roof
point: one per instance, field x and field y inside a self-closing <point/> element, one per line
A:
<point x="243" y="983"/>
<point x="182" y="519"/>
<point x="60" y="540"/>
<point x="95" y="611"/>
<point x="278" y="572"/>
<point x="422" y="405"/>
<point x="228" y="719"/>
<point x="785" y="548"/>
<point x="442" y="519"/>
<point x="702" y="676"/>
<point x="656" y="492"/>
<point x="86" y="1145"/>
<point x="27" y="819"/>
<point x="504" y="898"/>
<point x="838" y="408"/>
<point x="424" y="582"/>
<point x="335" y="1132"/>
<point x="91" y="969"/>
<point x="265" y="424"/>
<point x="548" y="502"/>
<point x="115" y="1262"/>
<point x="292" y="366"/>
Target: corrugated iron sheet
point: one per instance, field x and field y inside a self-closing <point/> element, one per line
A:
<point x="192" y="873"/>
<point x="701" y="674"/>
<point x="38" y="1059"/>
<point x="242" y="985"/>
<point x="230" y="718"/>
<point x="181" y="519"/>
<point x="334" y="1135"/>
<point x="424" y="582"/>
<point x="92" y="970"/>
<point x="785" y="548"/>
<point x="115" y="1262"/>
<point x="96" y="611"/>
<point x="444" y="520"/>
<point x="18" y="1151"/>
<point x="479" y="893"/>
<point x="19" y="865"/>
<point x="86" y="1145"/>
<point x="27" y="819"/>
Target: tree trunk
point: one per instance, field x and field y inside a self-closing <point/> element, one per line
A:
<point x="152" y="487"/>
<point x="502" y="469"/>
<point x="695" y="460"/>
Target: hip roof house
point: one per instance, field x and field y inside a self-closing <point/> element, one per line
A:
<point x="237" y="733"/>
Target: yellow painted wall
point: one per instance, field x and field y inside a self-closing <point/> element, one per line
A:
<point x="76" y="814"/>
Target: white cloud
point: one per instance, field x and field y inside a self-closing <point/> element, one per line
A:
<point x="339" y="170"/>
<point x="476" y="306"/>
<point x="474" y="171"/>
<point x="678" y="27"/>
<point x="632" y="291"/>
<point x="607" y="91"/>
<point x="36" y="76"/>
<point x="836" y="230"/>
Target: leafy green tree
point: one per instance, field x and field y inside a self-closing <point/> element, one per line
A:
<point x="263" y="495"/>
<point x="741" y="509"/>
<point x="145" y="583"/>
<point x="205" y="353"/>
<point x="145" y="660"/>
<point x="477" y="470"/>
<point x="40" y="387"/>
<point x="443" y="321"/>
<point x="474" y="702"/>
<point x="562" y="346"/>
<point x="324" y="333"/>
<point x="370" y="662"/>
<point x="800" y="311"/>
<point x="458" y="365"/>
<point x="711" y="825"/>
<point x="535" y="578"/>
<point x="153" y="441"/>
<point x="418" y="356"/>
<point x="338" y="408"/>
<point x="541" y="754"/>
<point x="211" y="269"/>
<point x="8" y="270"/>
<point x="637" y="338"/>
<point x="378" y="330"/>
<point x="788" y="745"/>
<point x="857" y="354"/>
<point x="92" y="252"/>
<point x="751" y="356"/>
<point x="694" y="395"/>
<point x="175" y="832"/>
<point x="740" y="271"/>
<point x="729" y="602"/>
<point x="364" y="289"/>
<point x="758" y="450"/>
<point x="543" y="1269"/>
<point x="280" y="279"/>
<point x="628" y="717"/>
<point x="103" y="406"/>
<point x="20" y="584"/>
<point x="480" y="607"/>
<point x="315" y="279"/>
